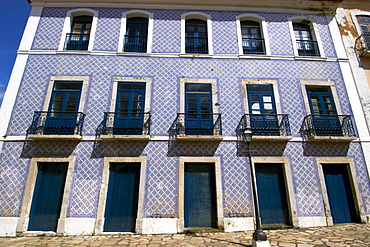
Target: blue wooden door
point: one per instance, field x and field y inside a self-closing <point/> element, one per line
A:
<point x="122" y="199"/>
<point x="324" y="114"/>
<point x="198" y="107"/>
<point x="129" y="115"/>
<point x="262" y="109"/>
<point x="272" y="194"/>
<point x="47" y="196"/>
<point x="339" y="192"/>
<point x="63" y="108"/>
<point x="80" y="33"/>
<point x="200" y="208"/>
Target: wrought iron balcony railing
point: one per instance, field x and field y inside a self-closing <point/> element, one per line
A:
<point x="307" y="48"/>
<point x="135" y="43"/>
<point x="327" y="125"/>
<point x="264" y="125"/>
<point x="56" y="123"/>
<point x="196" y="124"/>
<point x="253" y="46"/>
<point x="76" y="42"/>
<point x="196" y="45"/>
<point x="362" y="45"/>
<point x="124" y="124"/>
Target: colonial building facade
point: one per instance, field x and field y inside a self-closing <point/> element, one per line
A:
<point x="127" y="116"/>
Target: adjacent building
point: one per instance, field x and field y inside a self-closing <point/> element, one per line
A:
<point x="127" y="116"/>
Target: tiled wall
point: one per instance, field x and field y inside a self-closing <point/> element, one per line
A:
<point x="162" y="159"/>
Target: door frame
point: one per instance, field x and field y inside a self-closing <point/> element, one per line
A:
<point x="181" y="196"/>
<point x="100" y="215"/>
<point x="349" y="162"/>
<point x="23" y="221"/>
<point x="288" y="180"/>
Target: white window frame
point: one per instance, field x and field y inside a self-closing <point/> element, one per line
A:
<point x="200" y="16"/>
<point x="245" y="82"/>
<point x="148" y="90"/>
<point x="136" y="13"/>
<point x="314" y="32"/>
<point x="320" y="83"/>
<point x="355" y="21"/>
<point x="85" y="85"/>
<point x="213" y="83"/>
<point x="264" y="33"/>
<point x="68" y="22"/>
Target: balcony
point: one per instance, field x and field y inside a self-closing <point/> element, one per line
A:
<point x="196" y="45"/>
<point x="196" y="127"/>
<point x="362" y="45"/>
<point x="272" y="127"/>
<point x="328" y="128"/>
<point x="135" y="43"/>
<point x="124" y="126"/>
<point x="253" y="46"/>
<point x="79" y="42"/>
<point x="307" y="48"/>
<point x="56" y="125"/>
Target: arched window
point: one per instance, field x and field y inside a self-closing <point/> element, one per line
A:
<point x="196" y="40"/>
<point x="305" y="41"/>
<point x="252" y="40"/>
<point x="136" y="36"/>
<point x="79" y="36"/>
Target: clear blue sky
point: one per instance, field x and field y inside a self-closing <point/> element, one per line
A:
<point x="13" y="18"/>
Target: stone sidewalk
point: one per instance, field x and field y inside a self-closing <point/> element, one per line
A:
<point x="354" y="235"/>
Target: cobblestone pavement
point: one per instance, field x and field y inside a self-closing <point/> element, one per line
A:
<point x="354" y="235"/>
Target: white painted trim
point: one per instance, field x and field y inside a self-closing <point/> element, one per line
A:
<point x="238" y="224"/>
<point x="30" y="186"/>
<point x="349" y="162"/>
<point x="79" y="226"/>
<point x="254" y="81"/>
<point x="314" y="32"/>
<point x="11" y="93"/>
<point x="289" y="185"/>
<point x="148" y="91"/>
<point x="83" y="98"/>
<point x="312" y="221"/>
<point x="331" y="84"/>
<point x="264" y="33"/>
<point x="18" y="70"/>
<point x="213" y="82"/>
<point x="201" y="16"/>
<point x="31" y="28"/>
<point x="159" y="226"/>
<point x="8" y="226"/>
<point x="336" y="37"/>
<point x="217" y="162"/>
<point x="68" y="25"/>
<point x="99" y="224"/>
<point x="136" y="13"/>
<point x="211" y="6"/>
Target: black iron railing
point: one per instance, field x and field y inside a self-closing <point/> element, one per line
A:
<point x="264" y="125"/>
<point x="253" y="46"/>
<point x="362" y="44"/>
<point x="327" y="125"/>
<point x="56" y="123"/>
<point x="135" y="43"/>
<point x="124" y="124"/>
<point x="196" y="45"/>
<point x="77" y="41"/>
<point x="307" y="48"/>
<point x="196" y="124"/>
